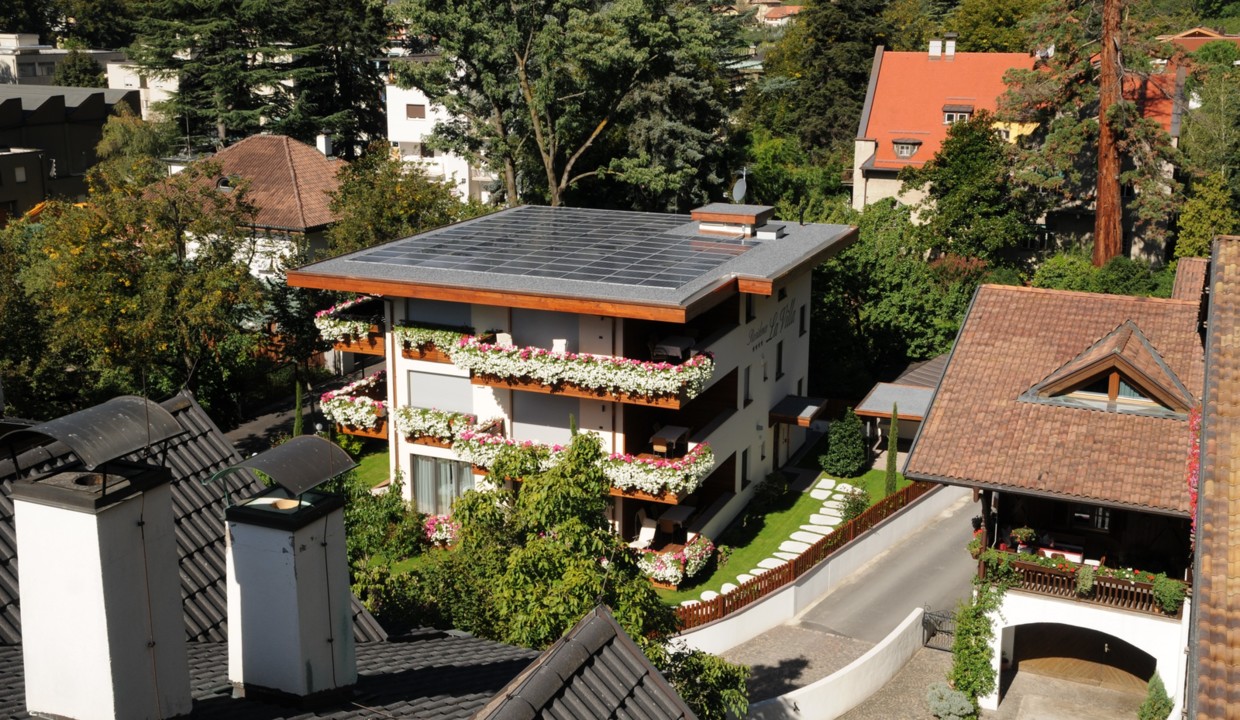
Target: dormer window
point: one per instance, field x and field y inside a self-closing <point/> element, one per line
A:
<point x="906" y="147"/>
<point x="226" y="184"/>
<point x="956" y="113"/>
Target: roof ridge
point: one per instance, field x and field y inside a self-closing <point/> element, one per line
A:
<point x="292" y="168"/>
<point x="1085" y="293"/>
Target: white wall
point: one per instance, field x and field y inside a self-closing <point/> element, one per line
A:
<point x="782" y="606"/>
<point x="151" y="90"/>
<point x="408" y="134"/>
<point x="1164" y="638"/>
<point x="848" y="687"/>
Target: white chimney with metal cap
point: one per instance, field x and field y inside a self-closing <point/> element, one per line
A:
<point x="949" y="45"/>
<point x="936" y="49"/>
<point x="290" y="621"/>
<point x="103" y="631"/>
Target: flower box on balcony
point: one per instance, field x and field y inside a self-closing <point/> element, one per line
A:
<point x="600" y="377"/>
<point x="356" y="414"/>
<point x="349" y="328"/>
<point x="369" y="344"/>
<point x="658" y="475"/>
<point x="669" y="567"/>
<point x="431" y="343"/>
<point x="428" y="426"/>
<point x="1119" y="588"/>
<point x="378" y="432"/>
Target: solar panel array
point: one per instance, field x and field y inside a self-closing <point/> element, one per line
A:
<point x="606" y="246"/>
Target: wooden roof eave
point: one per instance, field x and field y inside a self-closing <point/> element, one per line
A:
<point x="1043" y="494"/>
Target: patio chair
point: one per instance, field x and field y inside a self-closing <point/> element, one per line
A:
<point x="645" y="531"/>
<point x="503" y="339"/>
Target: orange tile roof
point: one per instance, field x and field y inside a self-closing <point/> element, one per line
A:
<point x="912" y="90"/>
<point x="778" y="13"/>
<point x="1192" y="40"/>
<point x="289" y="181"/>
<point x="1217" y="577"/>
<point x="1190" y="278"/>
<point x="979" y="432"/>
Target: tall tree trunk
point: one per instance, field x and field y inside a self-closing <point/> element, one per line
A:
<point x="1108" y="210"/>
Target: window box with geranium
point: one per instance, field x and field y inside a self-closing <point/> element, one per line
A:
<point x="430" y="426"/>
<point x="583" y="373"/>
<point x="656" y="475"/>
<point x="349" y="327"/>
<point x="429" y="342"/>
<point x="481" y="449"/>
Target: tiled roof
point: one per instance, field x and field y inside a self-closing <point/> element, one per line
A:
<point x="979" y="432"/>
<point x="429" y="674"/>
<point x="1192" y="40"/>
<point x="289" y="181"/>
<point x="925" y="373"/>
<point x="192" y="457"/>
<point x="1216" y="591"/>
<point x="594" y="672"/>
<point x="784" y="11"/>
<point x="1190" y="278"/>
<point x="912" y="90"/>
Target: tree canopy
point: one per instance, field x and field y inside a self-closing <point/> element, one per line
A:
<point x="79" y="69"/>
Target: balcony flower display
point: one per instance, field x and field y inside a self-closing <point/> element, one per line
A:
<point x="659" y="475"/>
<point x="441" y="530"/>
<point x="421" y="338"/>
<point x="366" y="386"/>
<point x="335" y="328"/>
<point x="482" y="449"/>
<point x="674" y="567"/>
<point x="593" y="372"/>
<point x="356" y="411"/>
<point x="429" y="422"/>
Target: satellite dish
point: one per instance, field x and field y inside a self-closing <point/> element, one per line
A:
<point x="738" y="190"/>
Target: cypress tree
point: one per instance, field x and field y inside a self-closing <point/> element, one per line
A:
<point x="893" y="444"/>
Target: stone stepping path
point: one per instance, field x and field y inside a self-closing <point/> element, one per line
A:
<point x="822" y="523"/>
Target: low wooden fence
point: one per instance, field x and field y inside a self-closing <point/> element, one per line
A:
<point x="751" y="591"/>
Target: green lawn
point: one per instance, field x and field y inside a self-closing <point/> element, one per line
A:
<point x="373" y="467"/>
<point x="762" y="538"/>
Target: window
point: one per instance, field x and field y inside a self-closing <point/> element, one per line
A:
<point x="905" y="149"/>
<point x="437" y="483"/>
<point x="779" y="359"/>
<point x="425" y="151"/>
<point x="744" y="467"/>
<point x="762" y="448"/>
<point x="1091" y="518"/>
<point x="801" y="386"/>
<point x="415" y="112"/>
<point x="19" y="174"/>
<point x="749" y="310"/>
<point x="783" y="294"/>
<point x="804" y="325"/>
<point x="954" y="117"/>
<point x="748" y="397"/>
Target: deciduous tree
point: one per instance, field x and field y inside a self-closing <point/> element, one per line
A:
<point x="1209" y="211"/>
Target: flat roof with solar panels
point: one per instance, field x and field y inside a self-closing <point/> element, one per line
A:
<point x="606" y="262"/>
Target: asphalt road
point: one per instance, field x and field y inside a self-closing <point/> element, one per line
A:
<point x="932" y="569"/>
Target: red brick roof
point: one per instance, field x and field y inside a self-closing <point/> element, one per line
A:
<point x="912" y="90"/>
<point x="1217" y="579"/>
<point x="980" y="432"/>
<point x="289" y="181"/>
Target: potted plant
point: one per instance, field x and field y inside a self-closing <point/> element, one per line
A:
<point x="975" y="545"/>
<point x="1024" y="537"/>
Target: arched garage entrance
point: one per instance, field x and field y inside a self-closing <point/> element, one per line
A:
<point x="1081" y="655"/>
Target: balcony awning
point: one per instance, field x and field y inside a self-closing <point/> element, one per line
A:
<point x="911" y="401"/>
<point x="797" y="410"/>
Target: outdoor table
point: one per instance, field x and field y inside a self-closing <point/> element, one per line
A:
<point x="668" y="437"/>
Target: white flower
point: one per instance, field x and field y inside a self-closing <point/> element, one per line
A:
<point x="356" y="411"/>
<point x="335" y="328"/>
<point x="429" y="422"/>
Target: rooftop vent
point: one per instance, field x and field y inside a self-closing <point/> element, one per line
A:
<point x="732" y="220"/>
<point x="290" y="634"/>
<point x="936" y="49"/>
<point x="103" y="634"/>
<point x="949" y="45"/>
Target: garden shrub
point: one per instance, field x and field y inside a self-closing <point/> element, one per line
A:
<point x="1084" y="581"/>
<point x="855" y="502"/>
<point x="846" y="452"/>
<point x="948" y="704"/>
<point x="1169" y="592"/>
<point x="1157" y="706"/>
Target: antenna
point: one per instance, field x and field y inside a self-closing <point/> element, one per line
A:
<point x="738" y="190"/>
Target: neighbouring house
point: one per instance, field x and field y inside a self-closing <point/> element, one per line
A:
<point x="1069" y="415"/>
<point x="909" y="393"/>
<point x="23" y="61"/>
<point x="780" y="15"/>
<point x="22" y="181"/>
<point x="152" y="89"/>
<point x="161" y="579"/>
<point x="1192" y="40"/>
<point x="682" y="341"/>
<point x="65" y="124"/>
<point x="411" y="119"/>
<point x="289" y="183"/>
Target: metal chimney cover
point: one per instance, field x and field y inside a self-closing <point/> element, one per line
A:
<point x="101" y="433"/>
<point x="301" y="464"/>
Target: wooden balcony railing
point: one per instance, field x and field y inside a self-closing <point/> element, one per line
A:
<point x="751" y="591"/>
<point x="1107" y="591"/>
<point x="369" y="344"/>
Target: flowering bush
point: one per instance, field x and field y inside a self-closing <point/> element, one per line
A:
<point x="335" y="328"/>
<point x="440" y="529"/>
<point x="594" y="372"/>
<point x="672" y="568"/>
<point x="421" y="338"/>
<point x="660" y="475"/>
<point x="356" y="411"/>
<point x="481" y="449"/>
<point x="428" y="422"/>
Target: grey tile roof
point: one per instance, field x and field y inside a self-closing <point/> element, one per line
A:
<point x="594" y="671"/>
<point x="192" y="457"/>
<point x="428" y="674"/>
<point x="925" y="373"/>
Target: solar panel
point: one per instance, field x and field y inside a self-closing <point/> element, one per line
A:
<point x="607" y="246"/>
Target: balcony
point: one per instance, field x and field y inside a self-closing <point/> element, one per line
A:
<point x="358" y="408"/>
<point x="434" y="428"/>
<point x="429" y="342"/>
<point x="1119" y="588"/>
<point x="355" y="325"/>
<point x="594" y="377"/>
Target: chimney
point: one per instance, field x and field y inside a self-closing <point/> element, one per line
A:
<point x="736" y="220"/>
<point x="324" y="143"/>
<point x="103" y="632"/>
<point x="290" y="622"/>
<point x="936" y="49"/>
<point x="949" y="45"/>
